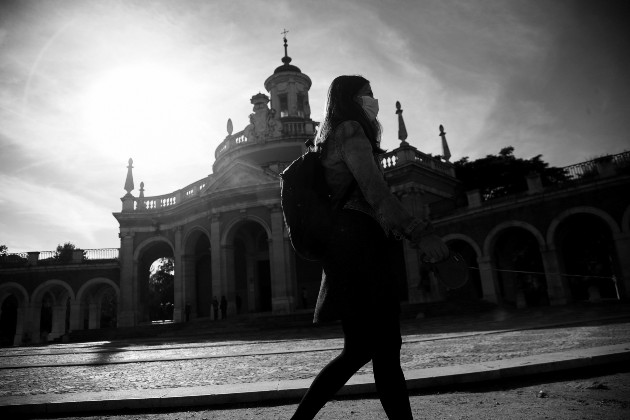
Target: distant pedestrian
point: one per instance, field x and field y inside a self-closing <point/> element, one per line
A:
<point x="163" y="312"/>
<point x="215" y="307"/>
<point x="224" y="304"/>
<point x="188" y="309"/>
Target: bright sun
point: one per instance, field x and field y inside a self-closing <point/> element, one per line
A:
<point x="139" y="110"/>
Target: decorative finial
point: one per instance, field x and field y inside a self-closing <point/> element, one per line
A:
<point x="402" y="130"/>
<point x="286" y="59"/>
<point x="446" y="152"/>
<point x="142" y="205"/>
<point x="230" y="128"/>
<point x="129" y="181"/>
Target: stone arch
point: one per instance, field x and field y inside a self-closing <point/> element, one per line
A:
<point x="513" y="249"/>
<point x="551" y="232"/>
<point x="47" y="286"/>
<point x="88" y="310"/>
<point x="13" y="321"/>
<point x="148" y="305"/>
<point x="62" y="297"/>
<point x="142" y="246"/>
<point x="12" y="288"/>
<point x="471" y="252"/>
<point x="583" y="238"/>
<point x="496" y="231"/>
<point x="193" y="233"/>
<point x="245" y="243"/>
<point x="197" y="273"/>
<point x="232" y="227"/>
<point x="465" y="238"/>
<point x="97" y="281"/>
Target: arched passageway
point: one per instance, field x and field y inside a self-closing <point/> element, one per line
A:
<point x="198" y="273"/>
<point x="588" y="256"/>
<point x="154" y="302"/>
<point x="520" y="269"/>
<point x="251" y="268"/>
<point x="8" y="320"/>
<point x="51" y="310"/>
<point x="472" y="289"/>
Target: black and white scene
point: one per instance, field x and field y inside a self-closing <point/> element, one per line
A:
<point x="315" y="209"/>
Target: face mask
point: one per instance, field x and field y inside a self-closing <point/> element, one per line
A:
<point x="370" y="106"/>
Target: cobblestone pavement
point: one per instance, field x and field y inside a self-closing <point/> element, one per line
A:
<point x="200" y="360"/>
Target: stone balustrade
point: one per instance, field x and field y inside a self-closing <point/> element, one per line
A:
<point x="172" y="199"/>
<point x="237" y="140"/>
<point x="402" y="155"/>
<point x="44" y="258"/>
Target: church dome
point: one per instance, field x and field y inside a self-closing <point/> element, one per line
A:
<point x="286" y="67"/>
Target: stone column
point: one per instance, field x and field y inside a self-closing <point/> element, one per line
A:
<point x="126" y="307"/>
<point x="58" y="321"/>
<point x="228" y="285"/>
<point x="489" y="281"/>
<point x="93" y="320"/>
<point x="19" y="326"/>
<point x="622" y="248"/>
<point x="35" y="311"/>
<point x="217" y="260"/>
<point x="281" y="291"/>
<point x="76" y="317"/>
<point x="179" y="284"/>
<point x="557" y="286"/>
<point x="412" y="266"/>
<point x="190" y="296"/>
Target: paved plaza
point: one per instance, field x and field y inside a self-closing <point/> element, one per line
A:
<point x="244" y="360"/>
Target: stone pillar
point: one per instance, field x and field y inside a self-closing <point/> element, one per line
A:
<point x="93" y="320"/>
<point x="36" y="312"/>
<point x="557" y="287"/>
<point x="190" y="296"/>
<point x="489" y="281"/>
<point x="19" y="326"/>
<point x="126" y="308"/>
<point x="76" y="317"/>
<point x="179" y="284"/>
<point x="217" y="260"/>
<point x="412" y="266"/>
<point x="281" y="291"/>
<point x="58" y="321"/>
<point x="622" y="248"/>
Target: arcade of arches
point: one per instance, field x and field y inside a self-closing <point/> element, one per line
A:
<point x="226" y="236"/>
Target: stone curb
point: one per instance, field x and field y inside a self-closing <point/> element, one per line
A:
<point x="205" y="396"/>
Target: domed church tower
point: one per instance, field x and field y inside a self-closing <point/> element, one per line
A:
<point x="279" y="125"/>
<point x="288" y="88"/>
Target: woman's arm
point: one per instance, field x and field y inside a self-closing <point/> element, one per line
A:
<point x="356" y="151"/>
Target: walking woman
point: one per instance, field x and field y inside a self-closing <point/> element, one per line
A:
<point x="357" y="285"/>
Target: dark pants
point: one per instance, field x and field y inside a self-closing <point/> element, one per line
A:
<point x="358" y="287"/>
<point x="379" y="343"/>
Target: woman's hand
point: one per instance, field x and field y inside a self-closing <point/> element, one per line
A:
<point x="433" y="248"/>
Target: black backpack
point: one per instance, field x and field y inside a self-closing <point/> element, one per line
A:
<point x="306" y="205"/>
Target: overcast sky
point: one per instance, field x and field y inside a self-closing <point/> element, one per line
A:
<point x="85" y="85"/>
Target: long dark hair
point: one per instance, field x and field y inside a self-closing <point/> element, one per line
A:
<point x="342" y="107"/>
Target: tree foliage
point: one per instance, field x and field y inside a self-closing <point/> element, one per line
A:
<point x="502" y="174"/>
<point x="162" y="279"/>
<point x="64" y="252"/>
<point x="4" y="250"/>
